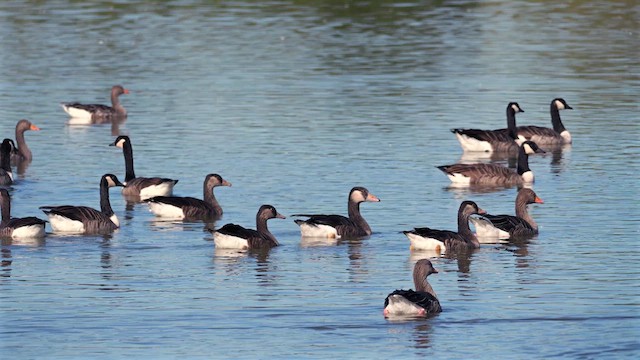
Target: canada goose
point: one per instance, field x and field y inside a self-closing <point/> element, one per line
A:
<point x="232" y="236"/>
<point x="83" y="219"/>
<point x="22" y="151"/>
<point x="335" y="226"/>
<point x="421" y="302"/>
<point x="445" y="240"/>
<point x="188" y="207"/>
<point x="26" y="227"/>
<point x="142" y="187"/>
<point x="6" y="175"/>
<point x="545" y="136"/>
<point x="492" y="174"/>
<point x="508" y="226"/>
<point x="500" y="140"/>
<point x="98" y="111"/>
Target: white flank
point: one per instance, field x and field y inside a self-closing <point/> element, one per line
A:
<point x="164" y="189"/>
<point x="566" y="136"/>
<point x="424" y="243"/>
<point x="76" y="113"/>
<point x="10" y="175"/>
<point x="400" y="306"/>
<point x="472" y="144"/>
<point x="325" y="231"/>
<point x="223" y="241"/>
<point x="486" y="232"/>
<point x="165" y="210"/>
<point x="114" y="219"/>
<point x="459" y="179"/>
<point x="28" y="232"/>
<point x="528" y="177"/>
<point x="63" y="224"/>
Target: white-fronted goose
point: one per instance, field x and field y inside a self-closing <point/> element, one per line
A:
<point x="190" y="208"/>
<point x="508" y="226"/>
<point x="335" y="226"/>
<point x="22" y="151"/>
<point x="85" y="220"/>
<point x="18" y="228"/>
<point x="6" y="175"/>
<point x="421" y="302"/>
<point x="500" y="140"/>
<point x="545" y="136"/>
<point x="142" y="187"/>
<point x="98" y="111"/>
<point x="492" y="174"/>
<point x="232" y="236"/>
<point x="444" y="240"/>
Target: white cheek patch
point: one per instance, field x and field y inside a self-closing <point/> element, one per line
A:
<point x="559" y="105"/>
<point x="515" y="108"/>
<point x="357" y="196"/>
<point x="120" y="143"/>
<point x="528" y="149"/>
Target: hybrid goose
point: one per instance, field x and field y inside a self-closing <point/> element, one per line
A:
<point x="18" y="228"/>
<point x="232" y="236"/>
<point x="98" y="111"/>
<point x="500" y="140"/>
<point x="421" y="302"/>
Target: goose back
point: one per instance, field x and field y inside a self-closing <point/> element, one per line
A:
<point x="557" y="135"/>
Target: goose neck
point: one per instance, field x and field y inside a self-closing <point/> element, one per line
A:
<point x="127" y="150"/>
<point x="465" y="231"/>
<point x="6" y="209"/>
<point x="210" y="198"/>
<point x="556" y="122"/>
<point x="523" y="161"/>
<point x="105" y="204"/>
<point x="523" y="213"/>
<point x="511" y="123"/>
<point x="23" y="149"/>
<point x="355" y="216"/>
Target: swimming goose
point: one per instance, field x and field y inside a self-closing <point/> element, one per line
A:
<point x="444" y="240"/>
<point x="6" y="175"/>
<point x="188" y="207"/>
<point x="26" y="227"/>
<point x="232" y="236"/>
<point x="509" y="226"/>
<point x="493" y="174"/>
<point x="421" y="302"/>
<point x="83" y="219"/>
<point x="336" y="226"/>
<point x="545" y="136"/>
<point x="500" y="140"/>
<point x="98" y="111"/>
<point x="22" y="151"/>
<point x="143" y="187"/>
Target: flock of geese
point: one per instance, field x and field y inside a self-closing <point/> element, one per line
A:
<point x="512" y="141"/>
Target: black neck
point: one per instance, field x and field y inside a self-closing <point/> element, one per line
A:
<point x="105" y="204"/>
<point x="6" y="209"/>
<point x="511" y="122"/>
<point x="127" y="149"/>
<point x="555" y="119"/>
<point x="523" y="161"/>
<point x="5" y="160"/>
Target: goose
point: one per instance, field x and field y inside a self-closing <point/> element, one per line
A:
<point x="493" y="174"/>
<point x="336" y="226"/>
<point x="22" y="151"/>
<point x="26" y="227"/>
<point x="421" y="302"/>
<point x="188" y="207"/>
<point x="559" y="135"/>
<point x="443" y="240"/>
<point x="6" y="175"/>
<point x="98" y="111"/>
<point x="232" y="236"/>
<point x="500" y="140"/>
<point x="508" y="226"/>
<point x="142" y="187"/>
<point x="85" y="220"/>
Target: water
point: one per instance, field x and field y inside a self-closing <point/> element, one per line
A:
<point x="295" y="103"/>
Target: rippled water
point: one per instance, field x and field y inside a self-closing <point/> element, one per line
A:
<point x="295" y="103"/>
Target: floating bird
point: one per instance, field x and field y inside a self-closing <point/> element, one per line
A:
<point x="97" y="111"/>
<point x="232" y="236"/>
<point x="421" y="302"/>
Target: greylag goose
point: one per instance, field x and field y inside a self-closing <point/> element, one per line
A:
<point x="559" y="135"/>
<point x="232" y="236"/>
<point x="142" y="187"/>
<point x="336" y="226"/>
<point x="22" y="151"/>
<point x="421" y="302"/>
<point x="500" y="140"/>
<point x="97" y="111"/>
<point x="26" y="227"/>
<point x="190" y="208"/>
<point x="444" y="240"/>
<point x="85" y="220"/>
<point x="508" y="226"/>
<point x="493" y="174"/>
<point x="6" y="175"/>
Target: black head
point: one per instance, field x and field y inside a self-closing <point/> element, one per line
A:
<point x="560" y="104"/>
<point x="111" y="180"/>
<point x="513" y="106"/>
<point x="469" y="208"/>
<point x="7" y="146"/>
<point x="212" y="180"/>
<point x="120" y="141"/>
<point x="360" y="194"/>
<point x="530" y="147"/>
<point x="269" y="212"/>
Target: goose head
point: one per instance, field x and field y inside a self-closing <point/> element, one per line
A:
<point x="530" y="147"/>
<point x="424" y="268"/>
<point x="111" y="180"/>
<point x="360" y="194"/>
<point x="515" y="107"/>
<point x="269" y="212"/>
<point x="529" y="196"/>
<point x="120" y="141"/>
<point x="118" y="90"/>
<point x="24" y="125"/>
<point x="213" y="180"/>
<point x="470" y="208"/>
<point x="560" y="104"/>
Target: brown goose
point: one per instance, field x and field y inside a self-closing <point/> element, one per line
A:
<point x="500" y="140"/>
<point x="545" y="136"/>
<point x="421" y="302"/>
<point x="445" y="240"/>
<point x="190" y="208"/>
<point x="508" y="226"/>
<point x="26" y="227"/>
<point x="98" y="111"/>
<point x="335" y="226"/>
<point x="85" y="220"/>
<point x="492" y="174"/>
<point x="6" y="175"/>
<point x="142" y="187"/>
<point x="22" y="151"/>
<point x="232" y="236"/>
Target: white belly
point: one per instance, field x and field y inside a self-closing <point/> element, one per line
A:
<point x="164" y="189"/>
<point x="424" y="243"/>
<point x="63" y="224"/>
<point x="28" y="232"/>
<point x="472" y="144"/>
<point x="400" y="306"/>
<point x="486" y="232"/>
<point x="166" y="211"/>
<point x="223" y="241"/>
<point x="76" y="113"/>
<point x="459" y="179"/>
<point x="528" y="177"/>
<point x="324" y="231"/>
